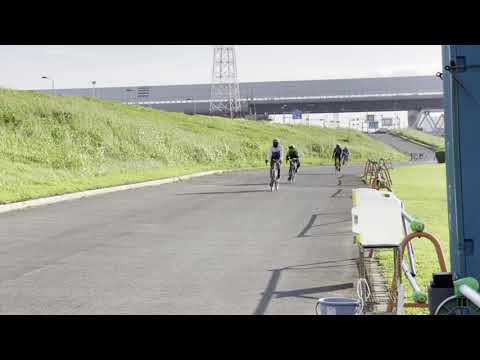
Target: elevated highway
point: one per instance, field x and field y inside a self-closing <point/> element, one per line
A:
<point x="315" y="96"/>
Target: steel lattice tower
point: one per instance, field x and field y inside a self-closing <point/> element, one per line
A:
<point x="225" y="92"/>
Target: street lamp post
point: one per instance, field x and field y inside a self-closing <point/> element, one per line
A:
<point x="53" y="83"/>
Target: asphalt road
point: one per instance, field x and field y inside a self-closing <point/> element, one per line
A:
<point x="221" y="244"/>
<point x="406" y="147"/>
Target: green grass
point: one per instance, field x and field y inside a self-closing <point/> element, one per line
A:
<point x="437" y="142"/>
<point x="54" y="145"/>
<point x="423" y="191"/>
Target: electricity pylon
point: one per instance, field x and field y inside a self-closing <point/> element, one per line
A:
<point x="225" y="92"/>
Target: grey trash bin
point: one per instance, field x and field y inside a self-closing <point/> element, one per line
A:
<point x="338" y="306"/>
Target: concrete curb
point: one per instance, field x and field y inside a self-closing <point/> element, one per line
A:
<point x="89" y="193"/>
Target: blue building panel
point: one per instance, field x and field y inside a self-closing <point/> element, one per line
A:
<point x="462" y="130"/>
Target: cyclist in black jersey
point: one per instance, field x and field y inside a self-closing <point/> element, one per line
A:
<point x="337" y="156"/>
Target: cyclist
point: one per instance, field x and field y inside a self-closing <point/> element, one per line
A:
<point x="275" y="153"/>
<point x="337" y="154"/>
<point x="292" y="154"/>
<point x="345" y="154"/>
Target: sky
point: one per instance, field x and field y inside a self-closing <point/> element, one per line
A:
<point x="76" y="66"/>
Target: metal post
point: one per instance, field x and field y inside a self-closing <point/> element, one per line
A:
<point x="470" y="294"/>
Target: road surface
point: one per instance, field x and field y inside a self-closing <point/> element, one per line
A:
<point x="405" y="146"/>
<point x="220" y="244"/>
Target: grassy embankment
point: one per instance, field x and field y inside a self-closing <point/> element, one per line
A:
<point x="55" y="145"/>
<point x="435" y="142"/>
<point x="423" y="190"/>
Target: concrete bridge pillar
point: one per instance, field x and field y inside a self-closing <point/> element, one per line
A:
<point x="413" y="117"/>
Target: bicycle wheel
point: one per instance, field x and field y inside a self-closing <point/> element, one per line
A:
<point x="272" y="178"/>
<point x="337" y="166"/>
<point x="277" y="171"/>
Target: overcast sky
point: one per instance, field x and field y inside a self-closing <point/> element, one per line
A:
<point x="22" y="67"/>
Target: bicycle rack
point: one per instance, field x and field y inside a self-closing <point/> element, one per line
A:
<point x="377" y="175"/>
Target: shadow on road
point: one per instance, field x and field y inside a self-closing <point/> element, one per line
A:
<point x="340" y="233"/>
<point x="224" y="192"/>
<point x="312" y="221"/>
<point x="269" y="292"/>
<point x="335" y="213"/>
<point x="261" y="184"/>
<point x="294" y="267"/>
<point x="308" y="226"/>
<point x="333" y="222"/>
<point x="315" y="174"/>
<point x="315" y="290"/>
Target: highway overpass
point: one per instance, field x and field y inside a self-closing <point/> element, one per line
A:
<point x="315" y="96"/>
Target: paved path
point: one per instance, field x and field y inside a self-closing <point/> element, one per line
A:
<point x="221" y="244"/>
<point x="405" y="146"/>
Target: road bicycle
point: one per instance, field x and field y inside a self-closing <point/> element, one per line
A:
<point x="292" y="172"/>
<point x="274" y="171"/>
<point x="338" y="165"/>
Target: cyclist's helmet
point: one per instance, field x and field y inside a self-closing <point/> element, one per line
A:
<point x="275" y="142"/>
<point x="291" y="146"/>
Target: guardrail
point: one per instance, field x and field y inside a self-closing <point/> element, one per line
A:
<point x="416" y="156"/>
